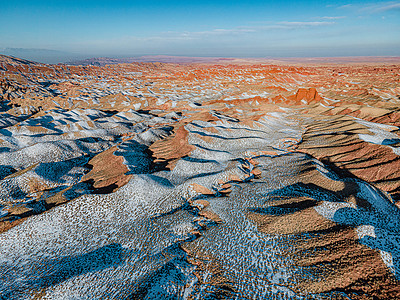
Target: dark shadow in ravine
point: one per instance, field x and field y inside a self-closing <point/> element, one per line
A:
<point x="55" y="170"/>
<point x="138" y="158"/>
<point x="6" y="170"/>
<point x="284" y="209"/>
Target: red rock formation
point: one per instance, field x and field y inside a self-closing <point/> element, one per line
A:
<point x="306" y="96"/>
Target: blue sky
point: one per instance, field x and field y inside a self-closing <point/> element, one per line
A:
<point x="203" y="28"/>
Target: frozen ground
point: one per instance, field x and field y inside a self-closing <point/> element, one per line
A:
<point x="184" y="182"/>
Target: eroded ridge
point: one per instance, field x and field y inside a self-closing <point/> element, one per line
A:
<point x="166" y="181"/>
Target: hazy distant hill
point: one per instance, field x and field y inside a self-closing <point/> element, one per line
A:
<point x="41" y="55"/>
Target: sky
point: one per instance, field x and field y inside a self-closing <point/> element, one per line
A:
<point x="59" y="30"/>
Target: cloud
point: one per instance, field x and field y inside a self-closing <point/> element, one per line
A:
<point x="185" y="38"/>
<point x="192" y="35"/>
<point x="346" y="6"/>
<point x="242" y="30"/>
<point x="382" y="7"/>
<point x="332" y="18"/>
<point x="222" y="31"/>
<point x="291" y="25"/>
<point x="373" y="8"/>
<point x="367" y="8"/>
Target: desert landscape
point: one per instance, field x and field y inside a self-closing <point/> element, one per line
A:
<point x="196" y="179"/>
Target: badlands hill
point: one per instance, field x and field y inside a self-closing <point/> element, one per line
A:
<point x="199" y="181"/>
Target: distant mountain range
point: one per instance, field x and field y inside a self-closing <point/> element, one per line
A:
<point x="41" y="55"/>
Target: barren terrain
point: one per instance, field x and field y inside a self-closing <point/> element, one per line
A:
<point x="200" y="181"/>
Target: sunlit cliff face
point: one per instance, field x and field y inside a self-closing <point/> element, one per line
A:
<point x="199" y="181"/>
